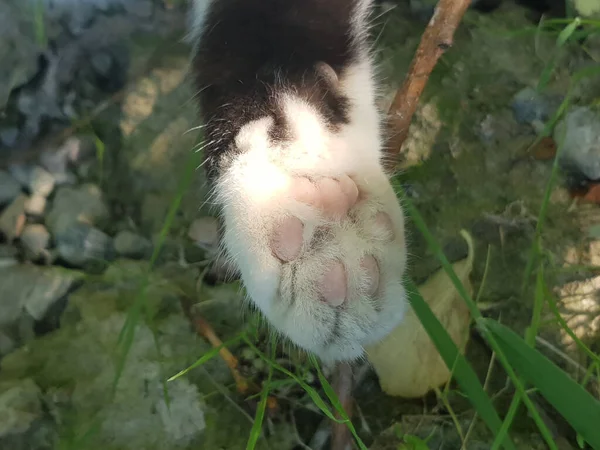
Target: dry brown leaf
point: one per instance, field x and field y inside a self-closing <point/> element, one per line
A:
<point x="406" y="361"/>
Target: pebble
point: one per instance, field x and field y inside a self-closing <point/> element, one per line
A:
<point x="8" y="256"/>
<point x="76" y="204"/>
<point x="35" y="179"/>
<point x="9" y="136"/>
<point x="12" y="219"/>
<point x="74" y="151"/>
<point x="21" y="406"/>
<point x="7" y="344"/>
<point x="102" y="63"/>
<point x="41" y="182"/>
<point x="36" y="240"/>
<point x="20" y="172"/>
<point x="81" y="243"/>
<point x="36" y="205"/>
<point x="533" y="108"/>
<point x="32" y="289"/>
<point x="581" y="146"/>
<point x="132" y="245"/>
<point x="9" y="188"/>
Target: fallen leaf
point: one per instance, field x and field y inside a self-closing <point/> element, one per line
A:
<point x="406" y="361"/>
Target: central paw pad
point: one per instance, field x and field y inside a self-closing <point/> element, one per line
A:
<point x="323" y="258"/>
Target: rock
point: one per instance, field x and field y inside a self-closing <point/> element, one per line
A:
<point x="35" y="205"/>
<point x="533" y="108"/>
<point x="9" y="188"/>
<point x="32" y="289"/>
<point x="35" y="179"/>
<point x="41" y="182"/>
<point x="81" y="204"/>
<point x="132" y="245"/>
<point x="20" y="406"/>
<point x="74" y="151"/>
<point x="12" y="219"/>
<point x="18" y="47"/>
<point x="8" y="136"/>
<point x="581" y="146"/>
<point x="20" y="172"/>
<point x="80" y="244"/>
<point x="102" y="63"/>
<point x="7" y="344"/>
<point x="8" y="256"/>
<point x="36" y="240"/>
<point x="25" y="424"/>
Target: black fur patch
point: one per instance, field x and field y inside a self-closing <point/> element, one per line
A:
<point x="251" y="49"/>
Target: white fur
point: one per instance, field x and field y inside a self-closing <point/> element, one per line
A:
<point x="252" y="193"/>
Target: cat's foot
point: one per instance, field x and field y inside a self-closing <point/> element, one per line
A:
<point x="321" y="256"/>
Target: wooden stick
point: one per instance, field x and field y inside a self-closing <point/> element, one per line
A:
<point x="341" y="438"/>
<point x="437" y="38"/>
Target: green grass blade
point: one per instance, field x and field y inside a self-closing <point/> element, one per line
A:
<point x="463" y="372"/>
<point x="260" y="413"/>
<point x="314" y="395"/>
<point x="489" y="337"/>
<point x="206" y="357"/>
<point x="571" y="400"/>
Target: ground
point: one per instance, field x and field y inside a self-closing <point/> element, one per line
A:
<point x="467" y="164"/>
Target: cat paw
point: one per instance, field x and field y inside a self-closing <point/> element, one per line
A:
<point x="322" y="257"/>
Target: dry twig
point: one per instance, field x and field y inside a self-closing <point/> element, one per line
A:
<point x="437" y="38"/>
<point x="204" y="329"/>
<point x="341" y="438"/>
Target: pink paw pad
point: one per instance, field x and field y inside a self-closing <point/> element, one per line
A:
<point x="287" y="239"/>
<point x="334" y="197"/>
<point x="334" y="285"/>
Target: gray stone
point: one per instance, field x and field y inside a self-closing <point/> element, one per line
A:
<point x="8" y="256"/>
<point x="80" y="244"/>
<point x="580" y="130"/>
<point x="532" y="107"/>
<point x="20" y="406"/>
<point x="8" y="136"/>
<point x="32" y="289"/>
<point x="12" y="218"/>
<point x="9" y="188"/>
<point x="7" y="344"/>
<point x="36" y="240"/>
<point x="102" y="63"/>
<point x="35" y="205"/>
<point x="73" y="151"/>
<point x="80" y="204"/>
<point x="18" y="47"/>
<point x="21" y="173"/>
<point x="132" y="245"/>
<point x="40" y="182"/>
